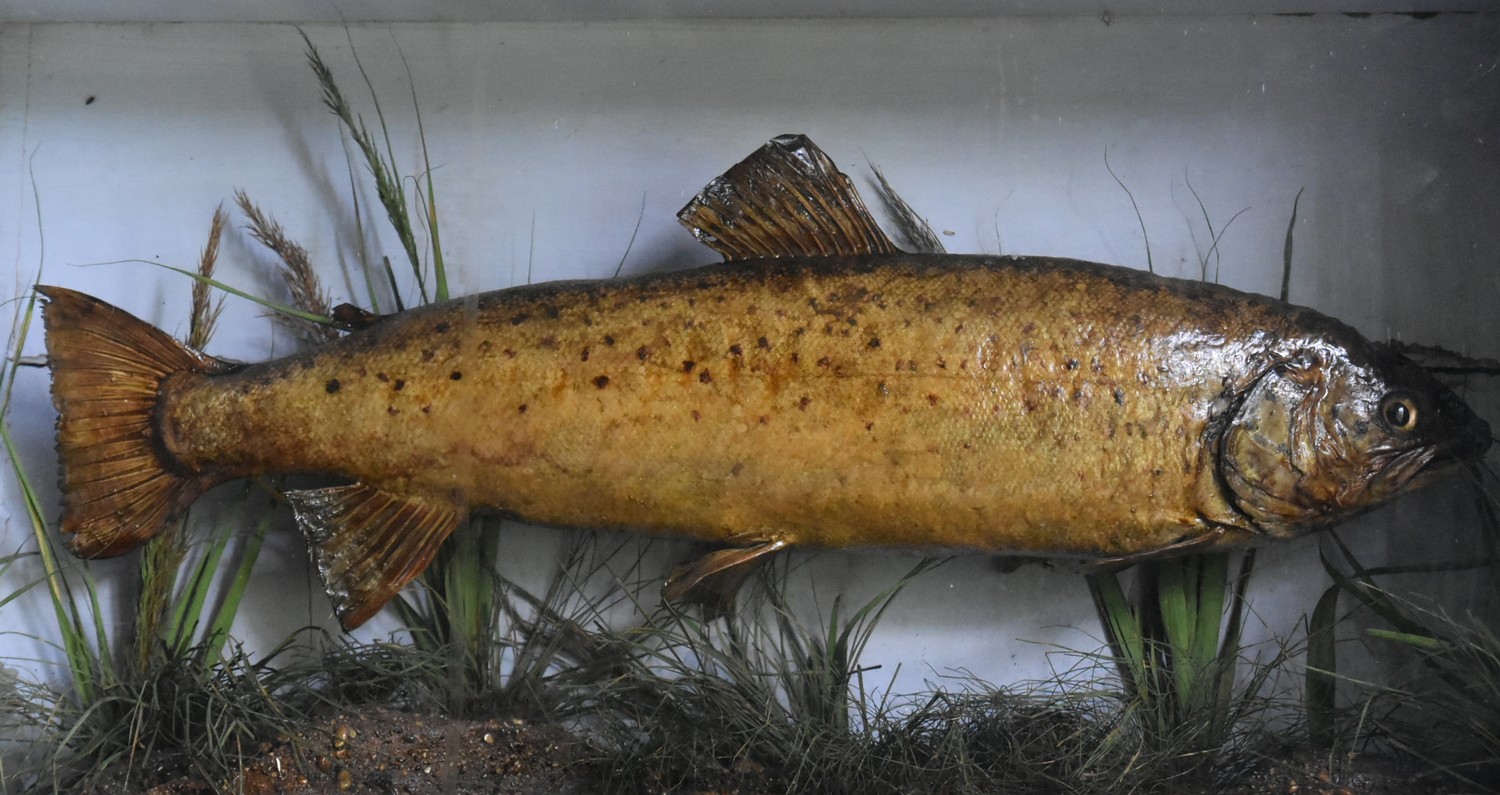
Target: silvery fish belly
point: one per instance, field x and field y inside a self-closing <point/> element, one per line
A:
<point x="819" y="388"/>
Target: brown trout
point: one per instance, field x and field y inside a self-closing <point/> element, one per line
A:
<point x="821" y="388"/>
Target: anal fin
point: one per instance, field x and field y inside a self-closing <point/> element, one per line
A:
<point x="787" y="199"/>
<point x="713" y="579"/>
<point x="368" y="543"/>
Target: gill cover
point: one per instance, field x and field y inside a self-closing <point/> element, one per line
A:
<point x="1291" y="457"/>
<point x="1320" y="436"/>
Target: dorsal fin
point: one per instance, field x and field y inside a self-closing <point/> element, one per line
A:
<point x="787" y="199"/>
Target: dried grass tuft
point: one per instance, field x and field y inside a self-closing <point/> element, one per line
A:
<point x="301" y="280"/>
<point x="205" y="312"/>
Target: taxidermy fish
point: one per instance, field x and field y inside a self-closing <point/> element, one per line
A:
<point x="820" y="388"/>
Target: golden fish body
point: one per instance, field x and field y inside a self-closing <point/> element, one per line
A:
<point x="989" y="403"/>
<point x="836" y="393"/>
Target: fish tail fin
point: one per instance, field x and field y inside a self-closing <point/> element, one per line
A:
<point x="120" y="486"/>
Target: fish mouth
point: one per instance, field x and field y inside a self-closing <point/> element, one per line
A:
<point x="1418" y="466"/>
<point x="1414" y="468"/>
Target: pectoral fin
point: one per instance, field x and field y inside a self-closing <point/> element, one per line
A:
<point x="1219" y="536"/>
<point x="713" y="579"/>
<point x="787" y="199"/>
<point x="368" y="543"/>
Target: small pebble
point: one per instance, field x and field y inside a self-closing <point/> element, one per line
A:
<point x="342" y="735"/>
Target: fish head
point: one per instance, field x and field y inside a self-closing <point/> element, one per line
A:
<point x="1321" y="435"/>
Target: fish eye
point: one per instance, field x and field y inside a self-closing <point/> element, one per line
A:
<point x="1399" y="412"/>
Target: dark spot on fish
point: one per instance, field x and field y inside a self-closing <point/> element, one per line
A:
<point x="382" y="378"/>
<point x="1156" y="473"/>
<point x="392" y="410"/>
<point x="552" y="312"/>
<point x="1361" y="427"/>
<point x="882" y="390"/>
<point x="521" y="409"/>
<point x="1119" y="396"/>
<point x="332" y="386"/>
<point x="796" y="357"/>
<point x="763" y="343"/>
<point x="825" y="362"/>
<point x="736" y="350"/>
<point x="484" y="347"/>
<point x="828" y="328"/>
<point x="455" y="376"/>
<point x="764" y="420"/>
<point x="518" y="319"/>
<point x="440" y="328"/>
<point x="1071" y="364"/>
<point x="642" y="353"/>
<point x="601" y="382"/>
<point x="549" y="342"/>
<point x="362" y="371"/>
<point x="688" y="365"/>
<point x="428" y="354"/>
<point x="609" y="340"/>
<point x="874" y="342"/>
<point x="704" y="377"/>
<point x="804" y="402"/>
<point x="427" y="409"/>
<point x="932" y="400"/>
<point x="1095" y="366"/>
<point x="696" y="415"/>
<point x="942" y="363"/>
<point x="1029" y="328"/>
<point x="399" y="385"/>
<point x="1028" y="404"/>
<point x="870" y="426"/>
<point x="509" y="354"/>
<point x="584" y="355"/>
<point x="738" y="467"/>
<point x="800" y="331"/>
